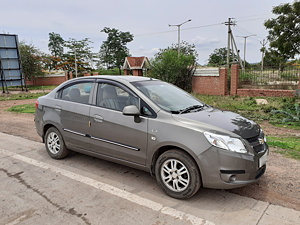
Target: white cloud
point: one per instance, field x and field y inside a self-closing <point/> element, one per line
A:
<point x="205" y="43"/>
<point x="143" y="51"/>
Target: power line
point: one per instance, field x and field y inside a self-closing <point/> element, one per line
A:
<point x="171" y="31"/>
<point x="210" y="25"/>
<point x="189" y="28"/>
<point x="244" y="31"/>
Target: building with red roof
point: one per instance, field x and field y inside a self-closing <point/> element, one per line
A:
<point x="137" y="66"/>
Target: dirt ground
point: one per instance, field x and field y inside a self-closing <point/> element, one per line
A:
<point x="280" y="185"/>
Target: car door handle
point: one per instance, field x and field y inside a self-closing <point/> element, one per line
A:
<point x="57" y="108"/>
<point x="98" y="118"/>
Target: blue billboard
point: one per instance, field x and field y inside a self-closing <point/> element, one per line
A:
<point x="11" y="73"/>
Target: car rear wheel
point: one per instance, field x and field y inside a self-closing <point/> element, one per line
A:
<point x="177" y="174"/>
<point x="55" y="144"/>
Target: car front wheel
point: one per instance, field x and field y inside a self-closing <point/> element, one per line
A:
<point x="55" y="145"/>
<point x="177" y="174"/>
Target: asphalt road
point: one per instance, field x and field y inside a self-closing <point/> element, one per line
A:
<point x="36" y="189"/>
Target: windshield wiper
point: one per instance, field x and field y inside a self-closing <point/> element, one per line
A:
<point x="190" y="108"/>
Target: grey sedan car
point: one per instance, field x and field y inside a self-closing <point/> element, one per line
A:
<point x="152" y="125"/>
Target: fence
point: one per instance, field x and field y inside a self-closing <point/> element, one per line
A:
<point x="244" y="83"/>
<point x="270" y="78"/>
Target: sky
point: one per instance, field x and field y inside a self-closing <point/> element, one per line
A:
<point x="148" y="21"/>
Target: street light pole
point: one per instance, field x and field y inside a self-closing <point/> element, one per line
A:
<point x="245" y="37"/>
<point x="179" y="25"/>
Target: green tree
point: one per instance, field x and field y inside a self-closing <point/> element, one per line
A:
<point x="219" y="57"/>
<point x="173" y="68"/>
<point x="56" y="44"/>
<point x="273" y="58"/>
<point x="32" y="60"/>
<point x="78" y="57"/>
<point x="56" y="47"/>
<point x="284" y="31"/>
<point x="113" y="51"/>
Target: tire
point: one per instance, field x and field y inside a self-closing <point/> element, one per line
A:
<point x="55" y="144"/>
<point x="167" y="168"/>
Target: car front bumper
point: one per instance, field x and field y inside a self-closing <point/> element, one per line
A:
<point x="223" y="169"/>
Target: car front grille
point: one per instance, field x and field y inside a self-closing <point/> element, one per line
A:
<point x="253" y="139"/>
<point x="256" y="144"/>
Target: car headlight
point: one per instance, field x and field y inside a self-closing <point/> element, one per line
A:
<point x="226" y="142"/>
<point x="262" y="134"/>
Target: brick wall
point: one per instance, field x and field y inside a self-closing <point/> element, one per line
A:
<point x="211" y="85"/>
<point x="54" y="80"/>
<point x="137" y="72"/>
<point x="48" y="80"/>
<point x="234" y="79"/>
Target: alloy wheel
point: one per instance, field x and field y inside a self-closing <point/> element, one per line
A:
<point x="175" y="175"/>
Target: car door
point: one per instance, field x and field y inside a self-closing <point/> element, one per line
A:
<point x="75" y="108"/>
<point x="112" y="133"/>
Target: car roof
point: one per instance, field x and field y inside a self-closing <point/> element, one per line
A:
<point x="119" y="78"/>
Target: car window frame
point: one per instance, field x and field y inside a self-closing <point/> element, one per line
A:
<point x="142" y="103"/>
<point x="58" y="94"/>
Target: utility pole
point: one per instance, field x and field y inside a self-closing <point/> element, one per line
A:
<point x="245" y="37"/>
<point x="263" y="49"/>
<point x="179" y="25"/>
<point x="229" y="23"/>
<point x="231" y="42"/>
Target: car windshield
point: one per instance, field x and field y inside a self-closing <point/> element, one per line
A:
<point x="169" y="97"/>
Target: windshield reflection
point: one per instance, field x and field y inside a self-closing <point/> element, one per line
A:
<point x="167" y="96"/>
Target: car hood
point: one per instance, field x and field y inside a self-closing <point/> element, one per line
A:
<point x="226" y="120"/>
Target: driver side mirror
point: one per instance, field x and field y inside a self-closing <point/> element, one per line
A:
<point x="132" y="110"/>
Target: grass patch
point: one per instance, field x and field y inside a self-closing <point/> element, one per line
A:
<point x="288" y="146"/>
<point x="246" y="106"/>
<point x="33" y="87"/>
<point x="294" y="126"/>
<point x="22" y="96"/>
<point x="26" y="108"/>
<point x="47" y="87"/>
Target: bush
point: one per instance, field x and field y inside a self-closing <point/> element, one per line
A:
<point x="175" y="68"/>
<point x="114" y="71"/>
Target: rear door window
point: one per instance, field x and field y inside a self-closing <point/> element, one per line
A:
<point x="79" y="92"/>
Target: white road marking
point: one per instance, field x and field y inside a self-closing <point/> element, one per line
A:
<point x="16" y="221"/>
<point x="155" y="206"/>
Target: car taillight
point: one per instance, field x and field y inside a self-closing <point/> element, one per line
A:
<point x="36" y="104"/>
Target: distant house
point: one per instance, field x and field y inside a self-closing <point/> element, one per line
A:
<point x="137" y="66"/>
